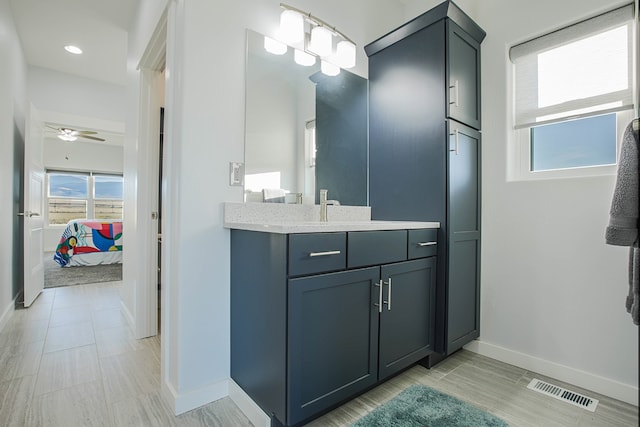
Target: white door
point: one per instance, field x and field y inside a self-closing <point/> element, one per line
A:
<point x="33" y="208"/>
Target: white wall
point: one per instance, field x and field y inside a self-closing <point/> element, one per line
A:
<point x="65" y="93"/>
<point x="13" y="107"/>
<point x="552" y="292"/>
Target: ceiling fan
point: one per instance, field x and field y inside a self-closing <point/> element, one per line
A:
<point x="69" y="134"/>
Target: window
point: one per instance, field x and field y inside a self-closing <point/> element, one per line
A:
<point x="573" y="95"/>
<point x="76" y="195"/>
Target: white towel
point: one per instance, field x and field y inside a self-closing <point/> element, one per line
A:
<point x="625" y="213"/>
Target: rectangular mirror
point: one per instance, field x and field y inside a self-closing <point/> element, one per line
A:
<point x="303" y="130"/>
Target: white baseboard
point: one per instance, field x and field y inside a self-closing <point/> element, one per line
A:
<point x="252" y="411"/>
<point x="7" y="313"/>
<point x="614" y="389"/>
<point x="186" y="402"/>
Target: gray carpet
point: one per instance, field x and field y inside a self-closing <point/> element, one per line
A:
<point x="421" y="406"/>
<point x="55" y="276"/>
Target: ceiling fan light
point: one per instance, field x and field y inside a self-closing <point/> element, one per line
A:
<point x="346" y="54"/>
<point x="73" y="49"/>
<point x="303" y="58"/>
<point x="321" y="42"/>
<point x="67" y="137"/>
<point x="274" y="46"/>
<point x="291" y="26"/>
<point x="329" y="69"/>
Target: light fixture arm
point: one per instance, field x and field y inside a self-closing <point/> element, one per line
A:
<point x="317" y="21"/>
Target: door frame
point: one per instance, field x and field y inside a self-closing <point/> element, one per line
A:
<point x="152" y="89"/>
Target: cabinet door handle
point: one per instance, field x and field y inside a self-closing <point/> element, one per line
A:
<point x="388" y="301"/>
<point x="456" y="133"/>
<point x="326" y="253"/>
<point x="456" y="86"/>
<point x="379" y="303"/>
<point x="422" y="244"/>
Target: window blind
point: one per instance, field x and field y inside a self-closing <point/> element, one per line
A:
<point x="581" y="70"/>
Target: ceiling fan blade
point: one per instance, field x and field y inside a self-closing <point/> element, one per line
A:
<point x="53" y="127"/>
<point x="84" y="132"/>
<point x="91" y="137"/>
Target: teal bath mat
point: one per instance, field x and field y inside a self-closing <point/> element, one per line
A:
<point x="422" y="406"/>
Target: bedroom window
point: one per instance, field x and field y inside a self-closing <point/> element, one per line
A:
<point x="108" y="194"/>
<point x="83" y="195"/>
<point x="574" y="96"/>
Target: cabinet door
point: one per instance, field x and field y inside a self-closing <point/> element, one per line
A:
<point x="407" y="316"/>
<point x="463" y="55"/>
<point x="463" y="292"/>
<point x="407" y="128"/>
<point x="333" y="339"/>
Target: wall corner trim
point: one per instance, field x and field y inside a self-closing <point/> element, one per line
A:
<point x="248" y="407"/>
<point x="184" y="402"/>
<point x="608" y="387"/>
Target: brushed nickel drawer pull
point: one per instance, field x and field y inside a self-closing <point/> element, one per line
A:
<point x="388" y="302"/>
<point x="327" y="253"/>
<point x="422" y="244"/>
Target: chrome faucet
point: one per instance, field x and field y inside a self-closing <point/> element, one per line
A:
<point x="323" y="205"/>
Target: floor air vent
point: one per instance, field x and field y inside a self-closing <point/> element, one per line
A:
<point x="563" y="394"/>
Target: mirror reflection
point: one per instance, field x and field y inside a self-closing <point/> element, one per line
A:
<point x="304" y="130"/>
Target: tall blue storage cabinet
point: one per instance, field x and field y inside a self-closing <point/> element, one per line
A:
<point x="424" y="152"/>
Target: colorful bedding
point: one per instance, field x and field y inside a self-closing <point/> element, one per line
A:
<point x="88" y="236"/>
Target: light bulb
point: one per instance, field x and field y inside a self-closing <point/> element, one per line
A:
<point x="274" y="46"/>
<point x="66" y="137"/>
<point x="73" y="49"/>
<point x="321" y="42"/>
<point x="329" y="69"/>
<point x="303" y="58"/>
<point x="346" y="54"/>
<point x="291" y="26"/>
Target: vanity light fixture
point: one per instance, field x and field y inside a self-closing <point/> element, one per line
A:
<point x="274" y="46"/>
<point x="321" y="41"/>
<point x="329" y="69"/>
<point x="291" y="26"/>
<point x="303" y="58"/>
<point x="73" y="49"/>
<point x="313" y="37"/>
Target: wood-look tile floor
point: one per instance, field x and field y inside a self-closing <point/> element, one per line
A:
<point x="71" y="360"/>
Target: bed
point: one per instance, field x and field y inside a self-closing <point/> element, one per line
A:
<point x="90" y="242"/>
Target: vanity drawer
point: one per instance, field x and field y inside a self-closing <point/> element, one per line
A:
<point x="376" y="247"/>
<point x="316" y="253"/>
<point x="422" y="243"/>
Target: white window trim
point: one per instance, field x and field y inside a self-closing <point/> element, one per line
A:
<point x="522" y="157"/>
<point x="519" y="140"/>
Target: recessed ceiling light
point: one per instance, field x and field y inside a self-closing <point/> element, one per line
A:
<point x="73" y="49"/>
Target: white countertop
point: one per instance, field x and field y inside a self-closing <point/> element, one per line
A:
<point x="290" y="219"/>
<point x="327" y="227"/>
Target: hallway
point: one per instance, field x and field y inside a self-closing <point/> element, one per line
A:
<point x="71" y="359"/>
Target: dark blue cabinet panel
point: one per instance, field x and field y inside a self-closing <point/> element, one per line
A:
<point x="406" y="320"/>
<point x="376" y="247"/>
<point x="463" y="54"/>
<point x="424" y="104"/>
<point x="333" y="339"/>
<point x="317" y="253"/>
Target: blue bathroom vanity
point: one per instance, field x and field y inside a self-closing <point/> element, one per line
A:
<point x="321" y="312"/>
